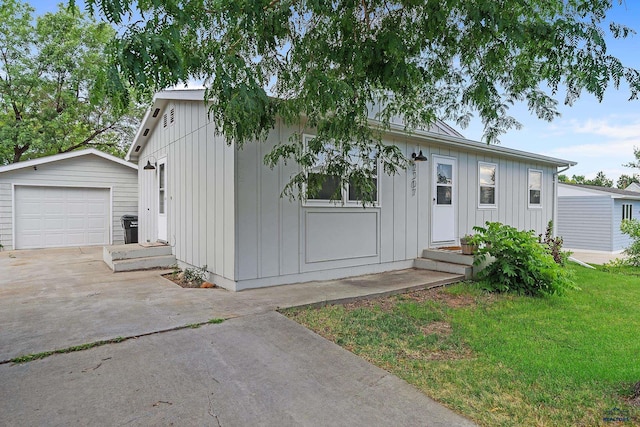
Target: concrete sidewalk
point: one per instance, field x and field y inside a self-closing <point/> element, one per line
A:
<point x="595" y="257"/>
<point x="257" y="368"/>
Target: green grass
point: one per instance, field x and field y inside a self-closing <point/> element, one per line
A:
<point x="506" y="360"/>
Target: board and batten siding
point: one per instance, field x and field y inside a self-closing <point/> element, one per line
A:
<point x="586" y="222"/>
<point x="200" y="191"/>
<point x="286" y="241"/>
<point x="225" y="208"/>
<point x="283" y="241"/>
<point x="82" y="171"/>
<point x="512" y="191"/>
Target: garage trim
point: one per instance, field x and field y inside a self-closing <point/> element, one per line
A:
<point x="98" y="187"/>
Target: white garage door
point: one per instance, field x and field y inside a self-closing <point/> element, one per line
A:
<point x="50" y="217"/>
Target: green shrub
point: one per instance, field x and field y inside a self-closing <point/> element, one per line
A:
<point x="554" y="245"/>
<point x="521" y="264"/>
<point x="631" y="227"/>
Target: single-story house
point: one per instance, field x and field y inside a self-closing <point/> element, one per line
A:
<point x="589" y="217"/>
<point x="219" y="206"/>
<point x="69" y="199"/>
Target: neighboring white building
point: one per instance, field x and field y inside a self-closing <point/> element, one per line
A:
<point x="589" y="217"/>
<point x="221" y="207"/>
<point x="70" y="199"/>
<point x="634" y="186"/>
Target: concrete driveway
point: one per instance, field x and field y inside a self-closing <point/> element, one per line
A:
<point x="258" y="368"/>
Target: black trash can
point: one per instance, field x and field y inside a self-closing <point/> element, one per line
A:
<point x="130" y="225"/>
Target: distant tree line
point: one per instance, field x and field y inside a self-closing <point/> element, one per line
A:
<point x="601" y="179"/>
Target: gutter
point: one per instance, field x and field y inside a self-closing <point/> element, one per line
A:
<point x="554" y="205"/>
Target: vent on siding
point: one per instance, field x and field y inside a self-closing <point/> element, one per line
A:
<point x="164" y="120"/>
<point x="172" y="115"/>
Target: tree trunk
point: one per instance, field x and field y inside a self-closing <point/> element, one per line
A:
<point x="18" y="152"/>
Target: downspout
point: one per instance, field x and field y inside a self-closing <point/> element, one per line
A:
<point x="554" y="205"/>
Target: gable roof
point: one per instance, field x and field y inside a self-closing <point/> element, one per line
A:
<point x="64" y="156"/>
<point x="634" y="186"/>
<point x="615" y="193"/>
<point x="440" y="134"/>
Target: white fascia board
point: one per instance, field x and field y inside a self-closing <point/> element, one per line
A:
<point x="64" y="156"/>
<point x="160" y="101"/>
<point x="474" y="145"/>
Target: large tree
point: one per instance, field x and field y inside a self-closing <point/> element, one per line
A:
<point x="54" y="85"/>
<point x="326" y="63"/>
<point x="626" y="180"/>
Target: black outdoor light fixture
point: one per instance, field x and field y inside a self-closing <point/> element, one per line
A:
<point x="418" y="157"/>
<point x="149" y="166"/>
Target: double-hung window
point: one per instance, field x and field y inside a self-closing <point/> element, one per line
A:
<point x="487" y="181"/>
<point x="330" y="192"/>
<point x="535" y="188"/>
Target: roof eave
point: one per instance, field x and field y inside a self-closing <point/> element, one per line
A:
<point x="476" y="146"/>
<point x="64" y="156"/>
<point x="149" y="122"/>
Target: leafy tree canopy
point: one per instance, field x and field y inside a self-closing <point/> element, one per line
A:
<point x="626" y="180"/>
<point x="54" y="85"/>
<point x="600" y="180"/>
<point x="326" y="63"/>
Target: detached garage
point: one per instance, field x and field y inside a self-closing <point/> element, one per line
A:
<point x="70" y="199"/>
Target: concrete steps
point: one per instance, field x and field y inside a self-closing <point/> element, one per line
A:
<point x="447" y="262"/>
<point x="134" y="256"/>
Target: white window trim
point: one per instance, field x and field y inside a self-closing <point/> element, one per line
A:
<point x="529" y="204"/>
<point x="344" y="200"/>
<point x="493" y="205"/>
<point x="627" y="211"/>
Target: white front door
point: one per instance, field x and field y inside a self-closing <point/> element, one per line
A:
<point x="443" y="218"/>
<point x="162" y="200"/>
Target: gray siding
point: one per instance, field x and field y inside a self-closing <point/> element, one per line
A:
<point x="511" y="192"/>
<point x="82" y="171"/>
<point x="622" y="241"/>
<point x="200" y="191"/>
<point x="586" y="222"/>
<point x="225" y="209"/>
<point x="278" y="237"/>
<point x="6" y="214"/>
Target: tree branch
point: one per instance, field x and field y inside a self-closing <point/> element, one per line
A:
<point x="87" y="140"/>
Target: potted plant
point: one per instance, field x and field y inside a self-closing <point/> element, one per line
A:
<point x="469" y="247"/>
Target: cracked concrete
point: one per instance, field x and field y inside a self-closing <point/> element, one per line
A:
<point x="257" y="368"/>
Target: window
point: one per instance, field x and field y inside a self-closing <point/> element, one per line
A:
<point x="487" y="184"/>
<point x="535" y="188"/>
<point x="330" y="192"/>
<point x="627" y="212"/>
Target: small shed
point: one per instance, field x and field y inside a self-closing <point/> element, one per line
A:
<point x="589" y="217"/>
<point x="69" y="199"/>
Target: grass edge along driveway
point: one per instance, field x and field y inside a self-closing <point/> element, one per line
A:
<point x="505" y="360"/>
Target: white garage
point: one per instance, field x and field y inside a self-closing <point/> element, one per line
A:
<point x="71" y="199"/>
<point x="47" y="217"/>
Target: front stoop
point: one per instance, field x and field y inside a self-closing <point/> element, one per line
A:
<point x="447" y="262"/>
<point x="134" y="256"/>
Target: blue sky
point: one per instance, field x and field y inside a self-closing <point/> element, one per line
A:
<point x="599" y="136"/>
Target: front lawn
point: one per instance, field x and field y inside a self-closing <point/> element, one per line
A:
<point x="505" y="360"/>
